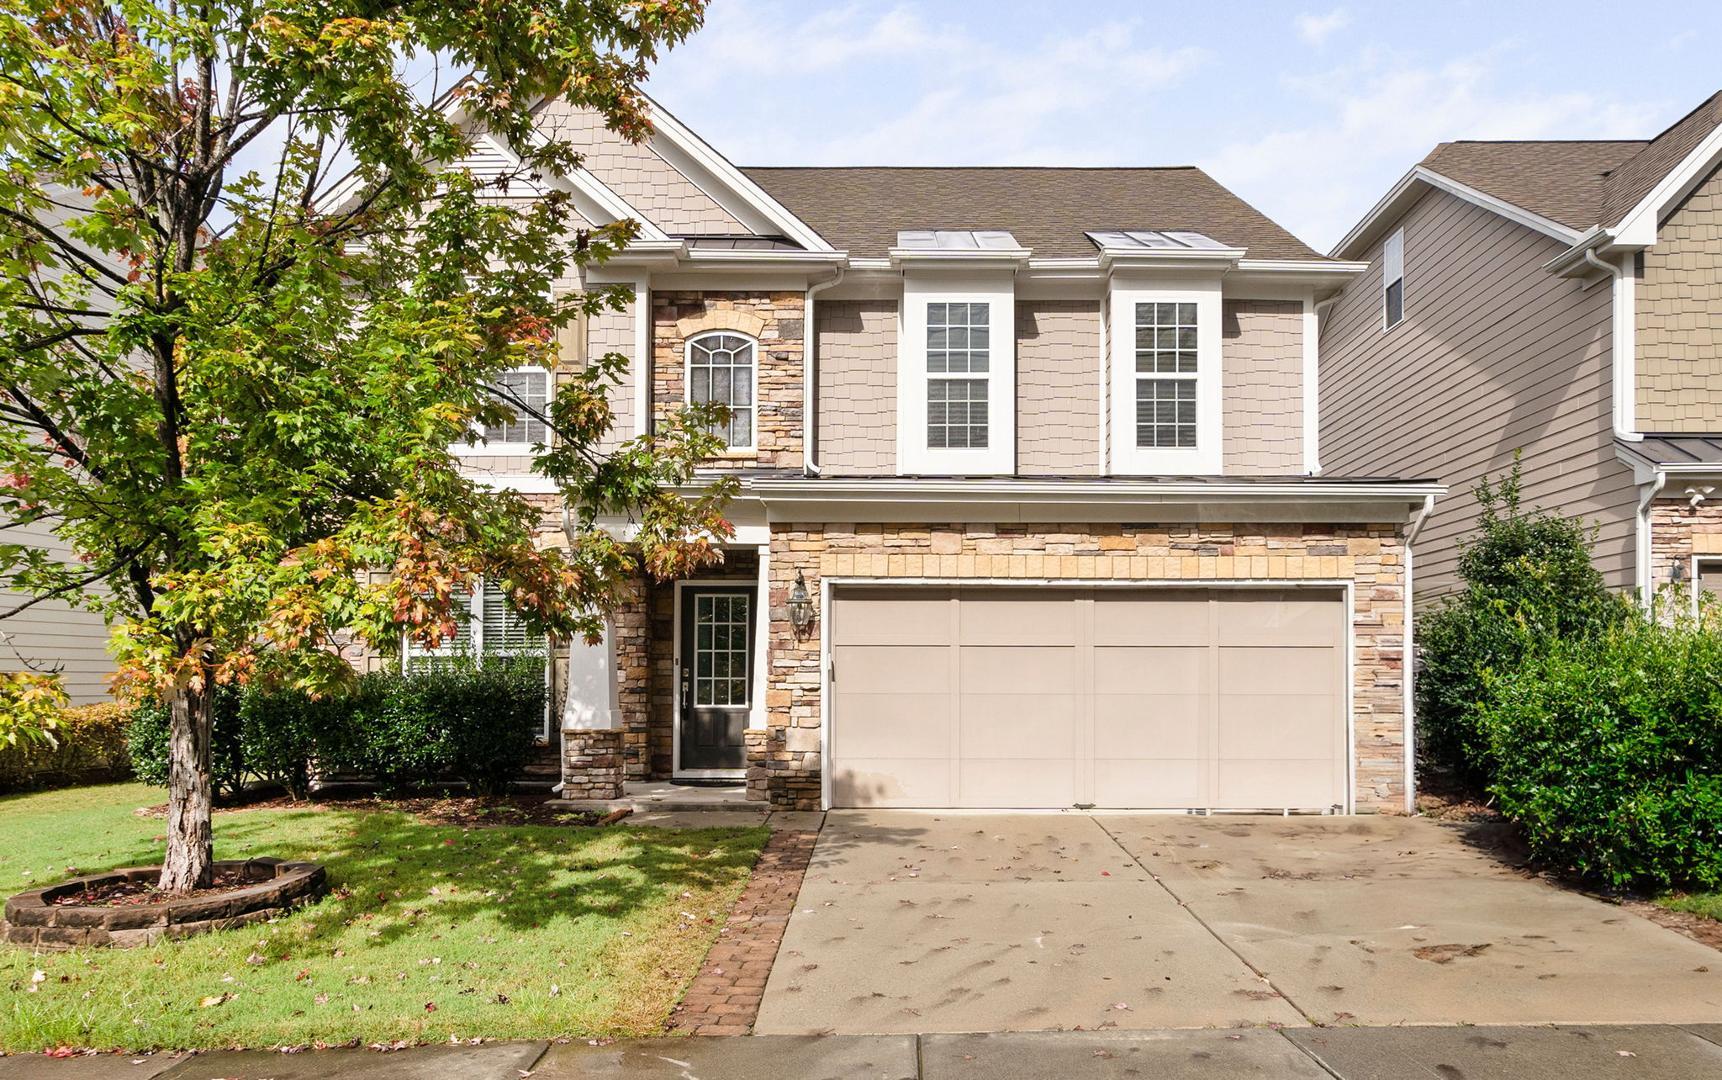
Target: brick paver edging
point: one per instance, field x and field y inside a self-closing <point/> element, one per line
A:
<point x="724" y="998"/>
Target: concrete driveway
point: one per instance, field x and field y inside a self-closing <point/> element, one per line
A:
<point x="948" y="922"/>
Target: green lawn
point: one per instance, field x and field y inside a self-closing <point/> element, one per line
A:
<point x="429" y="932"/>
<point x="1707" y="904"/>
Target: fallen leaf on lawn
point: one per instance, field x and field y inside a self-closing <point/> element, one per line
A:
<point x="430" y="1006"/>
<point x="213" y="1000"/>
<point x="555" y="991"/>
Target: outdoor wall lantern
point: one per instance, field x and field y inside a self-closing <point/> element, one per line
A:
<point x="800" y="605"/>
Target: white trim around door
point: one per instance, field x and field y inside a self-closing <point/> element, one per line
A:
<point x="745" y="586"/>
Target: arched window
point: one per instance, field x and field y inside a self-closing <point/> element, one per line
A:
<point x="722" y="367"/>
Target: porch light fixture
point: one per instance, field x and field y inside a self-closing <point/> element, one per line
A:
<point x="800" y="605"/>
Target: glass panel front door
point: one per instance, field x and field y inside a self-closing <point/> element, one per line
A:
<point x="716" y="676"/>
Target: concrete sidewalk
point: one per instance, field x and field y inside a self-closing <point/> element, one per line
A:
<point x="1643" y="1052"/>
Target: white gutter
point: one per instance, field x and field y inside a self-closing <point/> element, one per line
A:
<point x="1647" y="587"/>
<point x="810" y="374"/>
<point x="1409" y="661"/>
<point x="940" y="489"/>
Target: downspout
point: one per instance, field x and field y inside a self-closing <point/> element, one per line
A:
<point x="1647" y="587"/>
<point x="1409" y="662"/>
<point x="1620" y="361"/>
<point x="810" y="376"/>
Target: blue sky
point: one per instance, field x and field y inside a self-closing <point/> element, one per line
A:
<point x="1310" y="112"/>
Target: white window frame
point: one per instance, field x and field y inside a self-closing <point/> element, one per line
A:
<point x="914" y="456"/>
<point x="1205" y="458"/>
<point x="688" y="383"/>
<point x="483" y="447"/>
<point x="1392" y="270"/>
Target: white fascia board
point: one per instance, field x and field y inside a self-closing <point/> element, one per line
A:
<point x="1638" y="227"/>
<point x="681" y="138"/>
<point x="962" y="259"/>
<point x="1171" y="258"/>
<point x="911" y="490"/>
<point x="1399" y="198"/>
<point x="765" y="260"/>
<point x="1327" y="268"/>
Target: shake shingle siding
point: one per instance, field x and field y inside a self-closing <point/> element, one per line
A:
<point x="1679" y="301"/>
<point x="1261" y="349"/>
<point x="1058" y="387"/>
<point x="1494" y="356"/>
<point x="857" y="420"/>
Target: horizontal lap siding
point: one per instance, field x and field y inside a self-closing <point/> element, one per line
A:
<point x="52" y="635"/>
<point x="1261" y="355"/>
<point x="857" y="418"/>
<point x="1058" y="387"/>
<point x="1494" y="356"/>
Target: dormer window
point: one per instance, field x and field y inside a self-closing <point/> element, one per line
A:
<point x="1166" y="373"/>
<point x="1393" y="280"/>
<point x="959" y="353"/>
<point x="1165" y="379"/>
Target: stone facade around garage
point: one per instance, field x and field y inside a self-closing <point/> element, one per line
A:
<point x="776" y="321"/>
<point x="785" y="762"/>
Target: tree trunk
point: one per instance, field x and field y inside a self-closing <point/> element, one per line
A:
<point x="190" y="849"/>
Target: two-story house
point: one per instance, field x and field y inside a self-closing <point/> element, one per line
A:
<point x="1560" y="300"/>
<point x="1033" y="507"/>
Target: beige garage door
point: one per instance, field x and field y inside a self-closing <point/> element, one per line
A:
<point x="1147" y="698"/>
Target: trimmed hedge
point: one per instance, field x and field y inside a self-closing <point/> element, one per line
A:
<point x="89" y="747"/>
<point x="464" y="720"/>
<point x="1609" y="754"/>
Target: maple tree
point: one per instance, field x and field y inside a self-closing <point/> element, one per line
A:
<point x="233" y="390"/>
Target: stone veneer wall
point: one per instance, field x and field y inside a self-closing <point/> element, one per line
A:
<point x="592" y="764"/>
<point x="775" y="320"/>
<point x="1678" y="531"/>
<point x="787" y="769"/>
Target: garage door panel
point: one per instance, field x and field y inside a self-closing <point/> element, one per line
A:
<point x="1275" y="783"/>
<point x="1148" y="783"/>
<point x="1150" y="698"/>
<point x="908" y="668"/>
<point x="1007" y="669"/>
<point x="997" y="617"/>
<point x="893" y="725"/>
<point x="1172" y="617"/>
<point x="1147" y="726"/>
<point x="887" y="782"/>
<point x="1016" y="784"/>
<point x="1286" y="725"/>
<point x="1018" y="725"/>
<point x="1153" y="670"/>
<point x="1262" y="670"/>
<point x="893" y="617"/>
<point x="1276" y="618"/>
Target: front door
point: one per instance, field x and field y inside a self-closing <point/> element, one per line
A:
<point x="716" y="677"/>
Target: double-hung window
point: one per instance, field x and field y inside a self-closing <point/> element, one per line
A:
<point x="1166" y="373"/>
<point x="528" y="387"/>
<point x="721" y="368"/>
<point x="959" y="350"/>
<point x="1165" y="383"/>
<point x="1393" y="280"/>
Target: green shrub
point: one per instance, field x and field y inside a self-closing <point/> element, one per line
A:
<point x="1529" y="582"/>
<point x="1609" y="753"/>
<point x="88" y="745"/>
<point x="461" y="720"/>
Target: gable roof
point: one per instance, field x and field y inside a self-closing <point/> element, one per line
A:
<point x="1560" y="180"/>
<point x="1049" y="210"/>
<point x="1577" y="183"/>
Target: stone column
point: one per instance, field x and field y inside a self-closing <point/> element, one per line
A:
<point x="592" y="766"/>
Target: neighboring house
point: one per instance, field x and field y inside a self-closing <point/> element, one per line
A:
<point x="1562" y="300"/>
<point x="1033" y="507"/>
<point x="53" y="636"/>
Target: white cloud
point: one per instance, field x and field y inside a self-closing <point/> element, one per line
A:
<point x="1316" y="29"/>
<point x="1378" y="118"/>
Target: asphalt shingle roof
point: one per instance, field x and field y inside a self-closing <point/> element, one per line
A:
<point x="1049" y="210"/>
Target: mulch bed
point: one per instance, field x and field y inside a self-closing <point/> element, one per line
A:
<point x="465" y="811"/>
<point x="725" y="996"/>
<point x="134" y="893"/>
